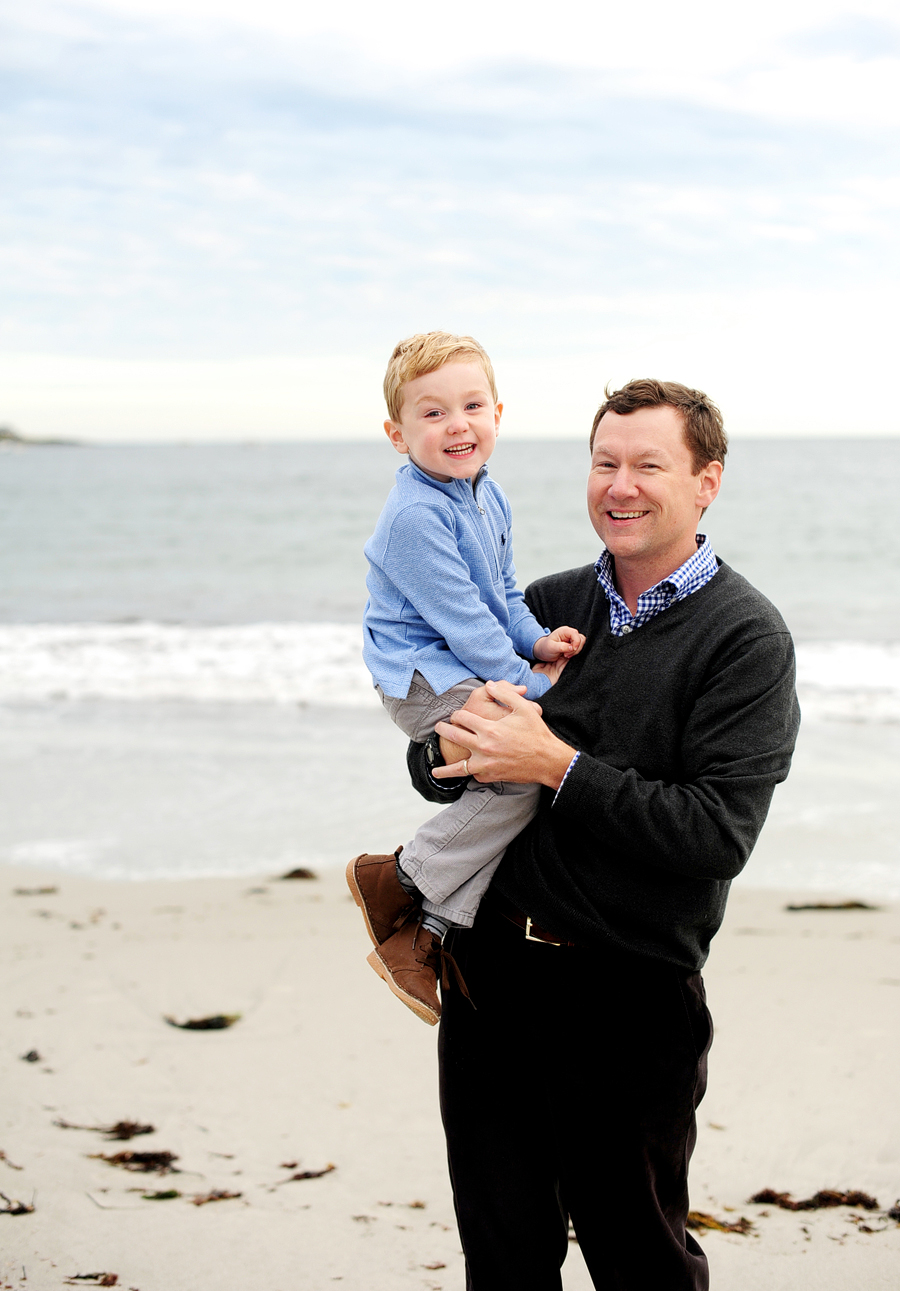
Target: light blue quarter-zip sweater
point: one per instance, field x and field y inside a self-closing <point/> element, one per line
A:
<point x="442" y="588"/>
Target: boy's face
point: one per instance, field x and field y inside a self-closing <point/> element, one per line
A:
<point x="448" y="421"/>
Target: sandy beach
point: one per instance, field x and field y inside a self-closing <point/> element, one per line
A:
<point x="325" y="1068"/>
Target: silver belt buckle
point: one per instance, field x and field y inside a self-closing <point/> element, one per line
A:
<point x="541" y="940"/>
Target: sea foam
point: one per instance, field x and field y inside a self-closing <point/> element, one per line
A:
<point x="257" y="662"/>
<point x="321" y="663"/>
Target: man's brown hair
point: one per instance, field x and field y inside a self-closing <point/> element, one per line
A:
<point x="704" y="431"/>
<point x="426" y="352"/>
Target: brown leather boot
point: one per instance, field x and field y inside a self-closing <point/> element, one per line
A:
<point x="384" y="902"/>
<point x="410" y="962"/>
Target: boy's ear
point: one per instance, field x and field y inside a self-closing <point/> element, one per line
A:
<point x="395" y="435"/>
<point x="498" y="412"/>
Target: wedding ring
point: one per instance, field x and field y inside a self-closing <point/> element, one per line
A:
<point x="466" y="765"/>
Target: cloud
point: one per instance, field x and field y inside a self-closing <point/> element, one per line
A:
<point x="853" y="35"/>
<point x="190" y="193"/>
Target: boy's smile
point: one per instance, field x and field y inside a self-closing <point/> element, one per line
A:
<point x="448" y="421"/>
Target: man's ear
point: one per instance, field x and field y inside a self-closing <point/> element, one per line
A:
<point x="395" y="435"/>
<point x="709" y="482"/>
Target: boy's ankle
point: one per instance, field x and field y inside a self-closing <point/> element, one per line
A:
<point x="407" y="883"/>
<point x="434" y="923"/>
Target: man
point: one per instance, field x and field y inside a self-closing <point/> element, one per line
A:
<point x="570" y="1090"/>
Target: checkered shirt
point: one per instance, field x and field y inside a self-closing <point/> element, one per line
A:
<point x="695" y="573"/>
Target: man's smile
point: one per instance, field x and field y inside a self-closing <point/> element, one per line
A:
<point x="626" y="515"/>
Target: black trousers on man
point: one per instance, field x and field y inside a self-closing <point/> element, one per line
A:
<point x="570" y="1091"/>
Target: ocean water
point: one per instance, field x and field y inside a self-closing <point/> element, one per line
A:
<point x="178" y="619"/>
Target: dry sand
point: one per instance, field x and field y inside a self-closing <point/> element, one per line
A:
<point x="326" y="1067"/>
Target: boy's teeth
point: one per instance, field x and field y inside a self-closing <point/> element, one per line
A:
<point x="464" y="448"/>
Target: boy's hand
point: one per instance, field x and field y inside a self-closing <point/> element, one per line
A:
<point x="563" y="643"/>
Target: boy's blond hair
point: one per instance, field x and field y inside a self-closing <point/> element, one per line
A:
<point x="426" y="352"/>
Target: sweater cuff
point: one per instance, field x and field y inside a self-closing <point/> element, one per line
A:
<point x="536" y="684"/>
<point x="524" y="633"/>
<point x="565" y="778"/>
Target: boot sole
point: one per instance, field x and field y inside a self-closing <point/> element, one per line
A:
<point x="350" y="874"/>
<point x="421" y="1010"/>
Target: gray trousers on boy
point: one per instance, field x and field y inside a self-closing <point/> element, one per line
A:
<point x="453" y="856"/>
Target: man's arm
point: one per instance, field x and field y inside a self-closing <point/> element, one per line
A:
<point x="737" y="746"/>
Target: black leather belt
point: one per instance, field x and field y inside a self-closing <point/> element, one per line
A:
<point x="525" y="922"/>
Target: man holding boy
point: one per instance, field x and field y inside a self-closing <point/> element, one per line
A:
<point x="571" y="1089"/>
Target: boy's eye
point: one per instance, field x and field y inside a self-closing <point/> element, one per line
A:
<point x="435" y="412"/>
<point x="473" y="404"/>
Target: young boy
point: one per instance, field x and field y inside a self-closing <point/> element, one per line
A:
<point x="443" y="615"/>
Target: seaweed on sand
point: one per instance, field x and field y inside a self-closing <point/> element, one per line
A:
<point x="142" y="1162"/>
<point x="701" y="1222"/>
<point x="821" y="1200"/>
<point x="215" y="1022"/>
<point x="14" y="1207"/>
<point x="309" y="1174"/>
<point x="122" y="1130"/>
<point x="833" y="905"/>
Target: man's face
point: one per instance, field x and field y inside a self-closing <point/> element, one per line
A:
<point x="644" y="499"/>
<point x="448" y="421"/>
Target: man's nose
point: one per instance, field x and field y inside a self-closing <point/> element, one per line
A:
<point x="623" y="483"/>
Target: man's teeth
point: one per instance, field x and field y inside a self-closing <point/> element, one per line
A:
<point x="627" y="515"/>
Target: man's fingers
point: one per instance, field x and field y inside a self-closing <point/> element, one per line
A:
<point x="511" y="696"/>
<point x="455" y="771"/>
<point x="458" y="733"/>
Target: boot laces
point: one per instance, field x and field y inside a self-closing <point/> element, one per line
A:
<point x="446" y="964"/>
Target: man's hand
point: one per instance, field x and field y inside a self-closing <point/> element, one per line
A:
<point x="521" y="749"/>
<point x="481" y="703"/>
<point x="563" y="643"/>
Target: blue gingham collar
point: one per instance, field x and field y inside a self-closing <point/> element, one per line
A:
<point x="695" y="573"/>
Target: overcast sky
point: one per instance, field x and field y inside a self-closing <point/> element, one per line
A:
<point x="218" y="217"/>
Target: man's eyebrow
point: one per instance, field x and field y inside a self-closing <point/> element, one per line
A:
<point x="603" y="451"/>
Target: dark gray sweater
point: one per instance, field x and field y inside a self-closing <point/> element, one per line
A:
<point x="685" y="726"/>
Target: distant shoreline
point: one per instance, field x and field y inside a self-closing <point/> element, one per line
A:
<point x="8" y="436"/>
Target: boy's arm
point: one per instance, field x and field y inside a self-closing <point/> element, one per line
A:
<point x="421" y="558"/>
